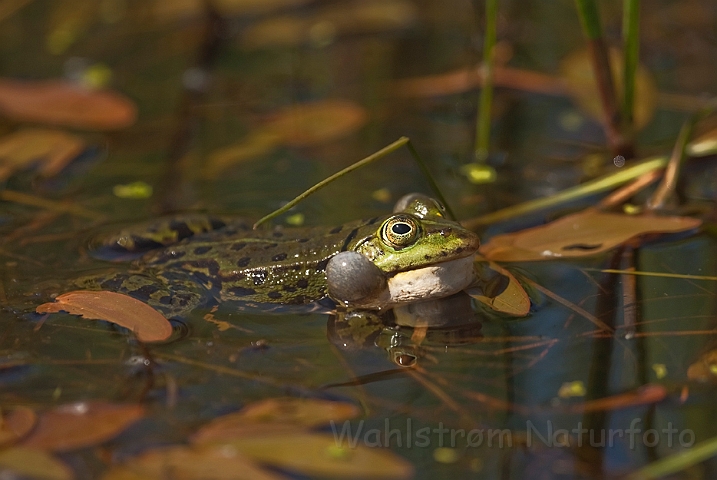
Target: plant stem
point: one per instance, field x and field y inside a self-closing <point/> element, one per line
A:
<point x="482" y="142"/>
<point x="590" y="20"/>
<point x="365" y="161"/>
<point x="631" y="47"/>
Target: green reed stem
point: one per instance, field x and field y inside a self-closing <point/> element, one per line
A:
<point x="590" y="20"/>
<point x="482" y="143"/>
<point x="631" y="47"/>
<point x="363" y="162"/>
<point x="678" y="461"/>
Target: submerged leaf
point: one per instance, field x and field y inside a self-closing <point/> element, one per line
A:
<point x="16" y="424"/>
<point x="147" y="323"/>
<point x="314" y="123"/>
<point x="63" y="103"/>
<point x="288" y="413"/>
<point x="589" y="232"/>
<point x="300" y="125"/>
<point x="184" y="463"/>
<point x="21" y="462"/>
<point x="80" y="425"/>
<point x="51" y="149"/>
<point x="578" y="72"/>
<point x="319" y="454"/>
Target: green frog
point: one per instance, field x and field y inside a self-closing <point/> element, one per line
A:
<point x="414" y="254"/>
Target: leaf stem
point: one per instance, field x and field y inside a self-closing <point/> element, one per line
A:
<point x="631" y="48"/>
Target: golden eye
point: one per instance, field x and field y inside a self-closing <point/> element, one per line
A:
<point x="399" y="231"/>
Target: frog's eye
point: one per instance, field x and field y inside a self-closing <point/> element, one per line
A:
<point x="399" y="231"/>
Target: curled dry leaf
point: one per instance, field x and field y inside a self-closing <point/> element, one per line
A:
<point x="287" y="413"/>
<point x="51" y="149"/>
<point x="589" y="232"/>
<point x="705" y="368"/>
<point x="319" y="454"/>
<point x="184" y="463"/>
<point x="59" y="102"/>
<point x="578" y="73"/>
<point x="15" y="424"/>
<point x="21" y="462"/>
<point x="79" y="425"/>
<point x="147" y="323"/>
<point x="502" y="293"/>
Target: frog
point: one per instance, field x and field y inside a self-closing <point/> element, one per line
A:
<point x="413" y="254"/>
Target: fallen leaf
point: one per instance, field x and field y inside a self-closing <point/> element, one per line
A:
<point x="705" y="368"/>
<point x="52" y="150"/>
<point x="15" y="424"/>
<point x="21" y="462"/>
<point x="320" y="454"/>
<point x="503" y="294"/>
<point x="589" y="232"/>
<point x="144" y="321"/>
<point x="184" y="463"/>
<point x="314" y="123"/>
<point x="59" y="102"/>
<point x="287" y="413"/>
<point x="578" y="72"/>
<point x="79" y="425"/>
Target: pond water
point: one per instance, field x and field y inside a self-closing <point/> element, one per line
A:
<point x="486" y="396"/>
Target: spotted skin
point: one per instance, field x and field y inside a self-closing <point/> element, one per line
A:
<point x="273" y="266"/>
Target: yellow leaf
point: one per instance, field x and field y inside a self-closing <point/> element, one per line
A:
<point x="184" y="463"/>
<point x="316" y="454"/>
<point x="147" y="323"/>
<point x="288" y="413"/>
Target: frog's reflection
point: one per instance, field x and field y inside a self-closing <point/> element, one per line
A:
<point x="404" y="330"/>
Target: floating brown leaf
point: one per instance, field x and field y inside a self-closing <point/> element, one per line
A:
<point x="63" y="103"/>
<point x="16" y="424"/>
<point x="578" y="235"/>
<point x="147" y="323"/>
<point x="83" y="424"/>
<point x="314" y="123"/>
<point x="287" y="413"/>
<point x="300" y="125"/>
<point x="180" y="462"/>
<point x="319" y="454"/>
<point x="578" y="73"/>
<point x="51" y="149"/>
<point x="20" y="462"/>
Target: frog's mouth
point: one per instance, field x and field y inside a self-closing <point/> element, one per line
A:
<point x="434" y="281"/>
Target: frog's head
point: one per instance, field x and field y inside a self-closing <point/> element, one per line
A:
<point x="415" y="254"/>
<point x="417" y="235"/>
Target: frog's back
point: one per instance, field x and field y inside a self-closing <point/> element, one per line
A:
<point x="284" y="266"/>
